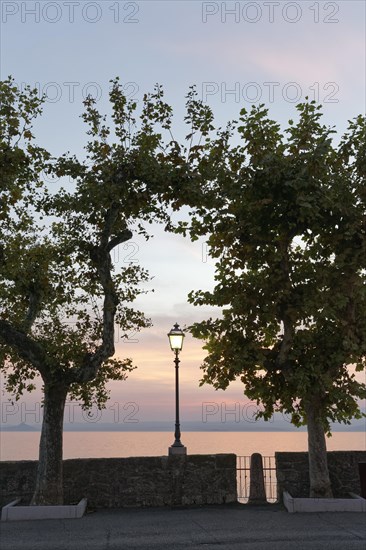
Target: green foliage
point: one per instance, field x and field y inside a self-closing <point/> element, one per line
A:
<point x="60" y="294"/>
<point x="20" y="160"/>
<point x="285" y="221"/>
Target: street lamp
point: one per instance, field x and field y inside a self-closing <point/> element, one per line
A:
<point x="176" y="336"/>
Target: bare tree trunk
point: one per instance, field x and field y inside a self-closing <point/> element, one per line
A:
<point x="49" y="482"/>
<point x="320" y="486"/>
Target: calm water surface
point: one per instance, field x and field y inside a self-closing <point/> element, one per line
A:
<point x="24" y="445"/>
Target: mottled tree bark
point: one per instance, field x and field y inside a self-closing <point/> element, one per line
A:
<point x="320" y="486"/>
<point x="49" y="481"/>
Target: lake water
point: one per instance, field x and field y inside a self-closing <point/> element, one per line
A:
<point x="24" y="445"/>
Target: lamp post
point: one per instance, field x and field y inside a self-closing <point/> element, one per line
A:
<point x="176" y="336"/>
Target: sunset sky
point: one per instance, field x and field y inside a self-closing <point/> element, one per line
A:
<point x="237" y="54"/>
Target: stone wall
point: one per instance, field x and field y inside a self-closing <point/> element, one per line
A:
<point x="136" y="481"/>
<point x="292" y="471"/>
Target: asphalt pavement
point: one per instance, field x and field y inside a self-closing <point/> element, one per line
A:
<point x="227" y="527"/>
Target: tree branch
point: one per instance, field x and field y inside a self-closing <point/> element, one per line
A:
<point x="109" y="220"/>
<point x="126" y="235"/>
<point x="27" y="348"/>
<point x="100" y="256"/>
<point x="33" y="310"/>
<point x="288" y="325"/>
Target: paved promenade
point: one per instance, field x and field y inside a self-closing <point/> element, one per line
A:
<point x="233" y="527"/>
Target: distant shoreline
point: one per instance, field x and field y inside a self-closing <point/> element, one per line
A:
<point x="186" y="427"/>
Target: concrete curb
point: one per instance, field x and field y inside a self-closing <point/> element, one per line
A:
<point x="12" y="512"/>
<point x="353" y="504"/>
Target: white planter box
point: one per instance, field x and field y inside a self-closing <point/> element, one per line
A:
<point x="12" y="512"/>
<point x="353" y="504"/>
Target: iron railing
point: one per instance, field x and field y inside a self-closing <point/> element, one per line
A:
<point x="243" y="478"/>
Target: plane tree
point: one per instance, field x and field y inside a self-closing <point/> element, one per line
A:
<point x="61" y="294"/>
<point x="284" y="218"/>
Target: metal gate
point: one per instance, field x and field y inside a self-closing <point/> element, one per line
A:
<point x="243" y="478"/>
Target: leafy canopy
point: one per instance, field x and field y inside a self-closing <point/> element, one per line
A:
<point x="60" y="294"/>
<point x="285" y="221"/>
